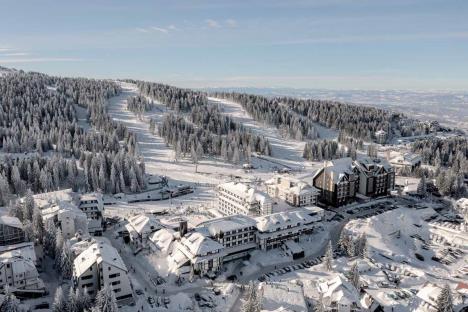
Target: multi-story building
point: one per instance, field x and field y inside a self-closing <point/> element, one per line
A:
<point x="239" y="198"/>
<point x="381" y="136"/>
<point x="337" y="181"/>
<point x="339" y="295"/>
<point x="376" y="176"/>
<point x="197" y="254"/>
<point x="407" y="161"/>
<point x="236" y="233"/>
<point x="293" y="191"/>
<point x="140" y="227"/>
<point x="68" y="217"/>
<point x="92" y="205"/>
<point x="19" y="273"/>
<point x="11" y="231"/>
<point x="275" y="229"/>
<point x="101" y="265"/>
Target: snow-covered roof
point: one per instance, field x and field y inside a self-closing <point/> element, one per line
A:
<point x="229" y="223"/>
<point x="90" y="196"/>
<point x="291" y="185"/>
<point x="271" y="222"/>
<point x="61" y="207"/>
<point x="43" y="200"/>
<point x="11" y="221"/>
<point x="337" y="168"/>
<point x="282" y="296"/>
<point x="26" y="250"/>
<point x="97" y="253"/>
<point x="429" y="293"/>
<point x="245" y="191"/>
<point x="143" y="223"/>
<point x="195" y="245"/>
<point x="381" y="132"/>
<point x="369" y="164"/>
<point x="162" y="239"/>
<point x="339" y="290"/>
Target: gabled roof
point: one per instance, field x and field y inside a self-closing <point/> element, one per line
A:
<point x="339" y="290"/>
<point x="338" y="169"/>
<point x="246" y="192"/>
<point x="372" y="165"/>
<point x="195" y="245"/>
<point x="11" y="221"/>
<point x="229" y="223"/>
<point x="144" y="223"/>
<point x="98" y="253"/>
<point x="271" y="222"/>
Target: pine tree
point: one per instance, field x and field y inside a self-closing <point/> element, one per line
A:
<point x="38" y="225"/>
<point x="444" y="300"/>
<point x="73" y="304"/>
<point x="351" y="248"/>
<point x="253" y="301"/>
<point x="58" y="249"/>
<point x="49" y="238"/>
<point x="60" y="303"/>
<point x="329" y="257"/>
<point x="9" y="303"/>
<point x="343" y="242"/>
<point x="105" y="301"/>
<point x="362" y="246"/>
<point x="354" y="276"/>
<point x="422" y="186"/>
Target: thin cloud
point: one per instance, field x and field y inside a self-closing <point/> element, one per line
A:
<point x="142" y="30"/>
<point x="39" y="60"/>
<point x="212" y="23"/>
<point x="14" y="54"/>
<point x="231" y="23"/>
<point x="160" y="29"/>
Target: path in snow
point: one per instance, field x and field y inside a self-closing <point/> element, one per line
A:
<point x="288" y="151"/>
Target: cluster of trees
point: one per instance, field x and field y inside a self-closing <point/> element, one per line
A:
<point x="445" y="152"/>
<point x="139" y="105"/>
<point x="177" y="99"/>
<point x="39" y="113"/>
<point x="211" y="119"/>
<point x="274" y="112"/>
<point x="38" y="174"/>
<point x="323" y="150"/>
<point x="198" y="141"/>
<point x="352" y="247"/>
<point x="79" y="301"/>
<point x="112" y="173"/>
<point x="450" y="157"/>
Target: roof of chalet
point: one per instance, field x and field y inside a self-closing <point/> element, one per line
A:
<point x="248" y="193"/>
<point x="271" y="222"/>
<point x="11" y="221"/>
<point x="98" y="252"/>
<point x="143" y="223"/>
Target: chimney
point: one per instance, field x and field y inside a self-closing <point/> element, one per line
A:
<point x="183" y="228"/>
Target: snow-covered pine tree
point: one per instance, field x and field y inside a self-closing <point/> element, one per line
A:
<point x="354" y="276"/>
<point x="105" y="301"/>
<point x="444" y="300"/>
<point x="60" y="303"/>
<point x="66" y="262"/>
<point x="253" y="300"/>
<point x="9" y="302"/>
<point x="329" y="257"/>
<point x="49" y="238"/>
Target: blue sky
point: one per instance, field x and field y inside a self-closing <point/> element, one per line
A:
<point x="334" y="44"/>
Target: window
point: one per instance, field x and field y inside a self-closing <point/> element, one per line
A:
<point x="87" y="285"/>
<point x="114" y="275"/>
<point x="115" y="283"/>
<point x="117" y="290"/>
<point x="86" y="277"/>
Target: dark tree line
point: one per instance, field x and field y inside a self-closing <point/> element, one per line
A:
<point x="177" y="99"/>
<point x="139" y="105"/>
<point x="273" y="112"/>
<point x="38" y="113"/>
<point x="297" y="116"/>
<point x="211" y="119"/>
<point x="187" y="139"/>
<point x="449" y="156"/>
<point x="323" y="150"/>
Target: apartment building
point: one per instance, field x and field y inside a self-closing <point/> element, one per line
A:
<point x="68" y="217"/>
<point x="19" y="273"/>
<point x="337" y="181"/>
<point x="140" y="227"/>
<point x="11" y="231"/>
<point x="376" y="176"/>
<point x="275" y="229"/>
<point x="293" y="191"/>
<point x="197" y="254"/>
<point x="236" y="233"/>
<point x="101" y="265"/>
<point x="239" y="198"/>
<point x="407" y="161"/>
<point x="92" y="205"/>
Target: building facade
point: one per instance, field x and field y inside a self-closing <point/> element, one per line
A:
<point x="92" y="205"/>
<point x="337" y="182"/>
<point x="376" y="176"/>
<point x="101" y="265"/>
<point x="239" y="198"/>
<point x="19" y="273"/>
<point x="293" y="191"/>
<point x="11" y="231"/>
